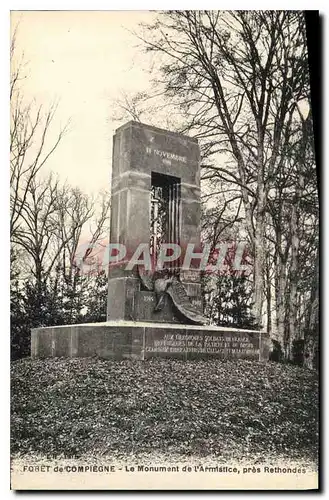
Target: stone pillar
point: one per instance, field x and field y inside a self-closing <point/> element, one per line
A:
<point x="191" y="228"/>
<point x="139" y="150"/>
<point x="130" y="194"/>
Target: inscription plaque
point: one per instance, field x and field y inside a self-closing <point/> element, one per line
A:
<point x="200" y="343"/>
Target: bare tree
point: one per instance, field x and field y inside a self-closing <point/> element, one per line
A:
<point x="30" y="147"/>
<point x="236" y="77"/>
<point x="53" y="217"/>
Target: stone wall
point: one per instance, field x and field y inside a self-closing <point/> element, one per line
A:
<point x="115" y="340"/>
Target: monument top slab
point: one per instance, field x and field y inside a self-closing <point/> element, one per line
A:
<point x="133" y="123"/>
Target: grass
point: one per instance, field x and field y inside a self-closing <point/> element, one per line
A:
<point x="229" y="410"/>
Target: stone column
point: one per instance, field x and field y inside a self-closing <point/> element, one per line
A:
<point x="130" y="193"/>
<point x="139" y="150"/>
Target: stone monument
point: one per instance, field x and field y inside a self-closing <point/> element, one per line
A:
<point x="153" y="170"/>
<point x="153" y="310"/>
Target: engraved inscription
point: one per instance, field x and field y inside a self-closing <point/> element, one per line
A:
<point x="149" y="298"/>
<point x="190" y="275"/>
<point x="166" y="155"/>
<point x="207" y="344"/>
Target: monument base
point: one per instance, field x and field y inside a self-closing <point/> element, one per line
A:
<point x="142" y="340"/>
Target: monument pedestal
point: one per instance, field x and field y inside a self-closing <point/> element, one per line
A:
<point x="143" y="340"/>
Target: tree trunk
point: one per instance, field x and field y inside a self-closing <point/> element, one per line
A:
<point x="293" y="310"/>
<point x="312" y="320"/>
<point x="280" y="287"/>
<point x="268" y="298"/>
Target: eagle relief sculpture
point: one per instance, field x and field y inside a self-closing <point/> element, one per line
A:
<point x="172" y="286"/>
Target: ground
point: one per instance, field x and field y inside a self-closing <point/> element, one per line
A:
<point x="233" y="410"/>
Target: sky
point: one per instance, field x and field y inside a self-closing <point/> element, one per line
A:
<point x="83" y="60"/>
